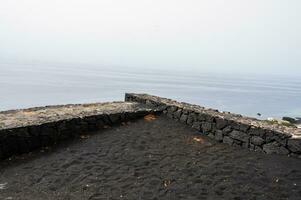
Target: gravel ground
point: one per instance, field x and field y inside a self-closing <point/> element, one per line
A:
<point x="149" y="159"/>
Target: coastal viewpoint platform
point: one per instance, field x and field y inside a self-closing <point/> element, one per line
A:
<point x="145" y="148"/>
<point x="151" y="158"/>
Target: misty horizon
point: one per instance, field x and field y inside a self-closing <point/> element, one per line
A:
<point x="236" y="36"/>
<point x="238" y="56"/>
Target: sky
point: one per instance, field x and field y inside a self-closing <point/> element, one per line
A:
<point x="203" y="35"/>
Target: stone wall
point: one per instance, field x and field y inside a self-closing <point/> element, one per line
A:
<point x="233" y="129"/>
<point x="22" y="131"/>
<point x="25" y="130"/>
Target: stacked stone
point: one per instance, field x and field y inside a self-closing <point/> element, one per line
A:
<point x="229" y="128"/>
<point x="22" y="137"/>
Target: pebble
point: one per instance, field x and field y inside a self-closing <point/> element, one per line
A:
<point x="3" y="186"/>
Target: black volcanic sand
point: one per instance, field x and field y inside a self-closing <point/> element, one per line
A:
<point x="159" y="159"/>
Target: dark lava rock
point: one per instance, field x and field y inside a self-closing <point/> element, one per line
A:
<point x="221" y="123"/>
<point x="274" y="148"/>
<point x="238" y="135"/>
<point x="219" y="135"/>
<point x="197" y="125"/>
<point x="290" y="119"/>
<point x="257" y="140"/>
<point x="294" y="145"/>
<point x="184" y="118"/>
<point x="228" y="140"/>
<point x="206" y="126"/>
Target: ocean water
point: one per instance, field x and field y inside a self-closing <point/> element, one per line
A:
<point x="23" y="86"/>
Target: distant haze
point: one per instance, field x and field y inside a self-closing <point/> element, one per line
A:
<point x="262" y="36"/>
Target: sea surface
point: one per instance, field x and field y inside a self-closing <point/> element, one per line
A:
<point x="23" y="86"/>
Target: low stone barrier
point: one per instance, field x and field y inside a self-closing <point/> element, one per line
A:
<point x="22" y="131"/>
<point x="233" y="129"/>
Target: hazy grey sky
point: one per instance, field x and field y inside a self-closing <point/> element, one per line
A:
<point x="233" y="35"/>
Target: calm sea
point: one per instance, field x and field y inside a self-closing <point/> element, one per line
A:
<point x="24" y="86"/>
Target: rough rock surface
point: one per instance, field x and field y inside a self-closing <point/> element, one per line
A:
<point x="233" y="129"/>
<point x="256" y="140"/>
<point x="41" y="115"/>
<point x="24" y="130"/>
<point x="274" y="147"/>
<point x="294" y="145"/>
<point x="238" y="135"/>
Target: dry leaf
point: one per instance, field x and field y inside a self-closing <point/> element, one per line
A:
<point x="198" y="139"/>
<point x="149" y="117"/>
<point x="84" y="136"/>
<point x="166" y="183"/>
